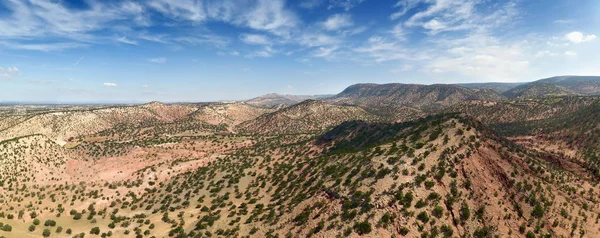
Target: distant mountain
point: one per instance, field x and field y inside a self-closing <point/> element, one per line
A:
<point x="561" y="85"/>
<point x="306" y="117"/>
<point x="389" y="99"/>
<point x="498" y="87"/>
<point x="230" y="114"/>
<point x="275" y="100"/>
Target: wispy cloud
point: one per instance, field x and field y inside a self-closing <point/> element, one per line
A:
<point x="338" y="21"/>
<point x="78" y="61"/>
<point x="563" y="21"/>
<point x="255" y="39"/>
<point x="42" y="47"/>
<point x="110" y="85"/>
<point x="8" y="72"/>
<point x="159" y="60"/>
<point x="266" y="52"/>
<point x="570" y="53"/>
<point x="126" y="41"/>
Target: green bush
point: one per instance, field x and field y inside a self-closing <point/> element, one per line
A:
<point x="362" y="227"/>
<point x="46" y="233"/>
<point x="95" y="231"/>
<point x="423" y="217"/>
<point x="50" y="223"/>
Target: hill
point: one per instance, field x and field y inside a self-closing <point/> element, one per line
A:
<point x="230" y="114"/>
<point x="64" y="124"/>
<point x="390" y="99"/>
<point x="274" y="100"/>
<point x="311" y="169"/>
<point x="309" y="116"/>
<point x="498" y="87"/>
<point x="557" y="86"/>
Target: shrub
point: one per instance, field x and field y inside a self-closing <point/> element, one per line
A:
<point x="538" y="211"/>
<point x="46" y="233"/>
<point x="95" y="231"/>
<point x="403" y="231"/>
<point x="423" y="217"/>
<point x="465" y="212"/>
<point x="50" y="223"/>
<point x="437" y="211"/>
<point x="362" y="227"/>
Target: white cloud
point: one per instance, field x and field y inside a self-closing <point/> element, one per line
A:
<point x="545" y="53"/>
<point x="478" y="57"/>
<point x="382" y="49"/>
<point x="110" y="85"/>
<point x="12" y="70"/>
<point x="255" y="39"/>
<point x="317" y="39"/>
<point x="8" y="72"/>
<point x="323" y="52"/>
<point x="310" y="4"/>
<point x="446" y="15"/>
<point x="180" y="9"/>
<point x="434" y="25"/>
<point x="31" y="18"/>
<point x="563" y="21"/>
<point x="570" y="53"/>
<point x="337" y="21"/>
<point x="405" y="6"/>
<point x="159" y="60"/>
<point x="398" y="32"/>
<point x="145" y="86"/>
<point x="578" y="37"/>
<point x="266" y="52"/>
<point x="270" y="16"/>
<point x="42" y="47"/>
<point x="197" y="40"/>
<point x="346" y="4"/>
<point x="126" y="41"/>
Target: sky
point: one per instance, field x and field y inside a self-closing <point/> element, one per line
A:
<point x="208" y="50"/>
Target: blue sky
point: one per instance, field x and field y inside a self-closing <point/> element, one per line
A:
<point x="205" y="50"/>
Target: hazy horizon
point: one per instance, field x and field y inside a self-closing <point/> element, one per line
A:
<point x="201" y="51"/>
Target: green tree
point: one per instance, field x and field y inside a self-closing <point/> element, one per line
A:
<point x="46" y="233"/>
<point x="465" y="212"/>
<point x="95" y="231"/>
<point x="362" y="227"/>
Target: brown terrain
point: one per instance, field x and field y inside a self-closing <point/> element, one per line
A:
<point x="373" y="161"/>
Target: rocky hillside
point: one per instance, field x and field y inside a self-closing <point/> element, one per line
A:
<point x="498" y="87"/>
<point x="61" y="125"/>
<point x="557" y="86"/>
<point x="522" y="109"/>
<point x="309" y="116"/>
<point x="230" y="114"/>
<point x="538" y="90"/>
<point x="389" y="99"/>
<point x="274" y="100"/>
